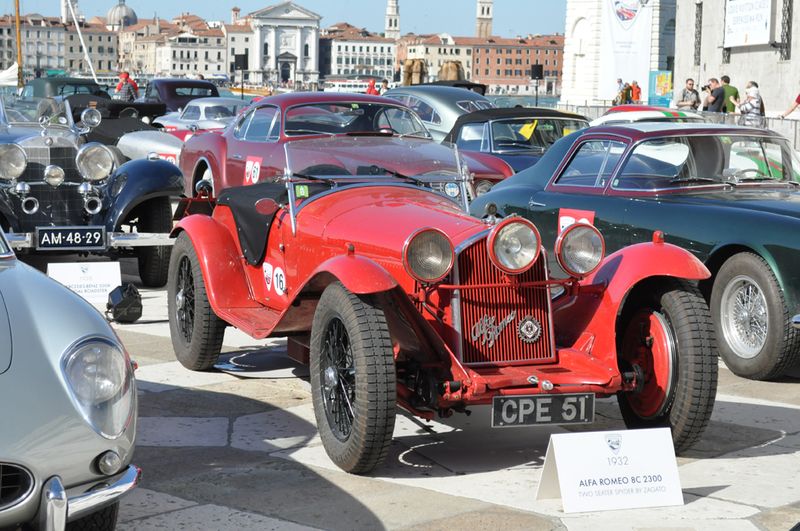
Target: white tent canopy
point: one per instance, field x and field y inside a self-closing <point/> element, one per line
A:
<point x="8" y="78"/>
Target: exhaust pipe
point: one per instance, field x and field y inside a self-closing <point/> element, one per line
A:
<point x="92" y="204"/>
<point x="30" y="205"/>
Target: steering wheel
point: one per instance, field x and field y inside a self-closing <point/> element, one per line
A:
<point x="129" y="112"/>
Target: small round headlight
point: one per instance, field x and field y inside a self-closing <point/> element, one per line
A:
<point x="91" y="117"/>
<point x="514" y="245"/>
<point x="481" y="187"/>
<point x="428" y="255"/>
<point x="451" y="189"/>
<point x="54" y="175"/>
<point x="95" y="161"/>
<point x="13" y="161"/>
<point x="580" y="249"/>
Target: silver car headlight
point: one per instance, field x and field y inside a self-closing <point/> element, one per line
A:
<point x="514" y="245"/>
<point x="95" y="161"/>
<point x="13" y="161"/>
<point x="100" y="376"/>
<point x="580" y="249"/>
<point x="428" y="255"/>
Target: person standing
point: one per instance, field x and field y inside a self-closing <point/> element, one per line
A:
<point x="636" y="92"/>
<point x="730" y="92"/>
<point x="689" y="98"/>
<point x="127" y="89"/>
<point x="791" y="109"/>
<point x="752" y="109"/>
<point x="384" y="86"/>
<point x="715" y="98"/>
<point x="371" y="89"/>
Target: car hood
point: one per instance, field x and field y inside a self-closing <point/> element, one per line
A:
<point x="783" y="201"/>
<point x="40" y="302"/>
<point x="409" y="156"/>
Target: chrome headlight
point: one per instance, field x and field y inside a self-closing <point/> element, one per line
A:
<point x="580" y="249"/>
<point x="482" y="187"/>
<point x="428" y="255"/>
<point x="91" y="118"/>
<point x="54" y="175"/>
<point x="13" y="161"/>
<point x="514" y="245"/>
<point x="100" y="377"/>
<point x="95" y="161"/>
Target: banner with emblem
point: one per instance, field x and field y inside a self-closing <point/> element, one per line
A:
<point x="627" y="37"/>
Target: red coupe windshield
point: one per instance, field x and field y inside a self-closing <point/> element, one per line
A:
<point x="352" y="117"/>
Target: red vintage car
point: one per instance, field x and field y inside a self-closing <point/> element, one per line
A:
<point x="397" y="297"/>
<point x="361" y="133"/>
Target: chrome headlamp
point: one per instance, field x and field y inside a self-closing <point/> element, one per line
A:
<point x="428" y="255"/>
<point x="100" y="376"/>
<point x="54" y="175"/>
<point x="580" y="249"/>
<point x="514" y="245"/>
<point x="13" y="161"/>
<point x="91" y="118"/>
<point x="95" y="161"/>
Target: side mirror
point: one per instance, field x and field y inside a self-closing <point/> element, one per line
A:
<point x="204" y="188"/>
<point x="193" y="128"/>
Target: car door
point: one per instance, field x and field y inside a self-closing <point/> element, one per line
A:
<point x="577" y="194"/>
<point x="253" y="153"/>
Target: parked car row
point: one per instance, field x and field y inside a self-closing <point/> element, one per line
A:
<point x="618" y="261"/>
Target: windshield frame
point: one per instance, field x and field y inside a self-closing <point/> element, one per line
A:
<point x="5" y="121"/>
<point x="393" y="104"/>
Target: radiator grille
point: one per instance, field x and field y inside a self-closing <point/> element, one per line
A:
<point x="15" y="484"/>
<point x="496" y="306"/>
<point x="58" y="206"/>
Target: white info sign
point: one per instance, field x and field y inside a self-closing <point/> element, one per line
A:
<point x="91" y="280"/>
<point x="605" y="470"/>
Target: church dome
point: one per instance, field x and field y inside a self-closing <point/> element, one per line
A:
<point x="121" y="16"/>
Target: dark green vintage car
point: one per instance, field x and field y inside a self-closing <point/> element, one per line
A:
<point x="728" y="194"/>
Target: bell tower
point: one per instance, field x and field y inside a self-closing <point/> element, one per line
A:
<point x="483" y="24"/>
<point x="392" y="30"/>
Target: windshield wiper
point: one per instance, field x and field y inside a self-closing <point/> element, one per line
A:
<point x="307" y="132"/>
<point x="374" y="169"/>
<point x="419" y="132"/>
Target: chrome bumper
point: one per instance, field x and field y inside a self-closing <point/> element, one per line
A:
<point x="25" y="240"/>
<point x="56" y="507"/>
<point x="796" y="321"/>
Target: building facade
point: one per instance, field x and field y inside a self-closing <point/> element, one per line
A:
<point x="436" y="50"/>
<point x="192" y="53"/>
<point x="286" y="47"/>
<point x="772" y="61"/>
<point x="483" y="19"/>
<point x="347" y="50"/>
<point x="505" y="64"/>
<point x="392" y="27"/>
<point x="591" y="61"/>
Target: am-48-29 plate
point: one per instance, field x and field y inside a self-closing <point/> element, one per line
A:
<point x="70" y="238"/>
<point x="534" y="410"/>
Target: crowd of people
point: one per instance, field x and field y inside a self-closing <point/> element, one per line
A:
<point x="628" y="92"/>
<point x="718" y="95"/>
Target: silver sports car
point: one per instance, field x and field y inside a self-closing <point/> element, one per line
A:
<point x="68" y="404"/>
<point x="202" y="114"/>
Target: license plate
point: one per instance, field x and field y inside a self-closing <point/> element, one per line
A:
<point x="70" y="238"/>
<point x="533" y="410"/>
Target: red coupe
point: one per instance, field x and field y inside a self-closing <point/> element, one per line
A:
<point x="397" y="297"/>
<point x="362" y="134"/>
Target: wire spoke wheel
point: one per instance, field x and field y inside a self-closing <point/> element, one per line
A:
<point x="184" y="299"/>
<point x="338" y="377"/>
<point x="745" y="316"/>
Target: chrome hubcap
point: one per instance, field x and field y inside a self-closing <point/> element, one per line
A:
<point x="745" y="316"/>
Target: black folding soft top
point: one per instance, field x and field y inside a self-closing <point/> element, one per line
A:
<point x="505" y="113"/>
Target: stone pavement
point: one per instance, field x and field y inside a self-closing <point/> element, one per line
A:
<point x="238" y="449"/>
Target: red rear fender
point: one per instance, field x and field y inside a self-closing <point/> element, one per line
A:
<point x="220" y="261"/>
<point x="358" y="274"/>
<point x="591" y="319"/>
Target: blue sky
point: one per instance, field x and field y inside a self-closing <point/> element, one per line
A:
<point x="457" y="17"/>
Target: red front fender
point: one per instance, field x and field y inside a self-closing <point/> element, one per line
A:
<point x="588" y="321"/>
<point x="220" y="262"/>
<point x="358" y="274"/>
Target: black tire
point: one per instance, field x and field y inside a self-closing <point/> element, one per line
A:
<point x="103" y="520"/>
<point x="195" y="329"/>
<point x="154" y="216"/>
<point x="747" y="350"/>
<point x="353" y="330"/>
<point x="667" y="333"/>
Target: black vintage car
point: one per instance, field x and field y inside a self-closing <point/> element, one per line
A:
<point x="61" y="193"/>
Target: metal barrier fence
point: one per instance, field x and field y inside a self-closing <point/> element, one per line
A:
<point x="789" y="128"/>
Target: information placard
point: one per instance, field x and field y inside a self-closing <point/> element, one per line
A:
<point x="600" y="471"/>
<point x="91" y="280"/>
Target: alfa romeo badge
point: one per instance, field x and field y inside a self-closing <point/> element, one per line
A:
<point x="529" y="329"/>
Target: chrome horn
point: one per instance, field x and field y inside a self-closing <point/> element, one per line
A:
<point x="92" y="203"/>
<point x="30" y="205"/>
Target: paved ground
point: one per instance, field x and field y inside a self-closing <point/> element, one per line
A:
<point x="239" y="450"/>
